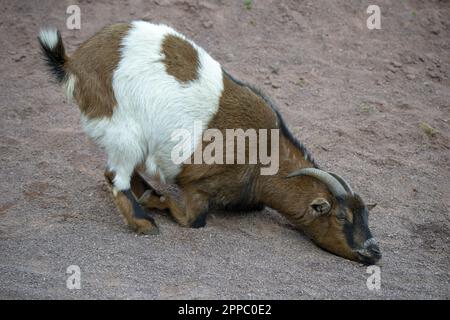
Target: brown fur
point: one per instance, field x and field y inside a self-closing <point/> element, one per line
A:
<point x="238" y="108"/>
<point x="327" y="232"/>
<point x="181" y="58"/>
<point x="93" y="64"/>
<point x="185" y="212"/>
<point x="139" y="225"/>
<point x="125" y="207"/>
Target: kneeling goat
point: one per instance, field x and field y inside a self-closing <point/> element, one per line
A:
<point x="137" y="83"/>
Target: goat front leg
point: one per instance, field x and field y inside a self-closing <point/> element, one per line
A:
<point x="135" y="216"/>
<point x="191" y="212"/>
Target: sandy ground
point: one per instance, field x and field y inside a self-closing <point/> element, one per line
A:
<point x="355" y="97"/>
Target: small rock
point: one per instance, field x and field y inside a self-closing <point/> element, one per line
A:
<point x="404" y="106"/>
<point x="301" y="82"/>
<point x="208" y="5"/>
<point x="207" y="24"/>
<point x="434" y="75"/>
<point x="409" y="59"/>
<point x="435" y="30"/>
<point x="276" y="86"/>
<point x="19" y="58"/>
<point x="396" y="64"/>
<point x="427" y="129"/>
<point x="275" y="69"/>
<point x="229" y="57"/>
<point x="410" y="73"/>
<point x="392" y="69"/>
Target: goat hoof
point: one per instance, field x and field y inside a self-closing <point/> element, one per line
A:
<point x="147" y="227"/>
<point x="200" y="222"/>
<point x="149" y="232"/>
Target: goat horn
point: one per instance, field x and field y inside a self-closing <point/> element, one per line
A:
<point x="331" y="182"/>
<point x="343" y="182"/>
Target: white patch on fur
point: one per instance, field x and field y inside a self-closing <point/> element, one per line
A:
<point x="152" y="104"/>
<point x="49" y="37"/>
<point x="69" y="86"/>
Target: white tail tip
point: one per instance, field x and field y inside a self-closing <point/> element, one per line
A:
<point x="49" y="37"/>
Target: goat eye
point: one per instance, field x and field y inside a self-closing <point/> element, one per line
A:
<point x="321" y="208"/>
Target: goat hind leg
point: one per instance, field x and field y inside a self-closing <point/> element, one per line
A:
<point x="189" y="213"/>
<point x="141" y="188"/>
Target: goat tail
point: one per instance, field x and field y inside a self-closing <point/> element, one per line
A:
<point x="54" y="52"/>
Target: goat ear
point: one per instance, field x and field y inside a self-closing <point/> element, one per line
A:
<point x="320" y="206"/>
<point x="370" y="206"/>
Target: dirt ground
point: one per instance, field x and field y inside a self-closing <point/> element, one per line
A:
<point x="372" y="105"/>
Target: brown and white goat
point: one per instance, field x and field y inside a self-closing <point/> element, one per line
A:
<point x="137" y="83"/>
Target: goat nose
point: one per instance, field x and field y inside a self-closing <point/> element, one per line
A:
<point x="369" y="257"/>
<point x="369" y="243"/>
<point x="370" y="253"/>
<point x="374" y="252"/>
<point x="372" y="248"/>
